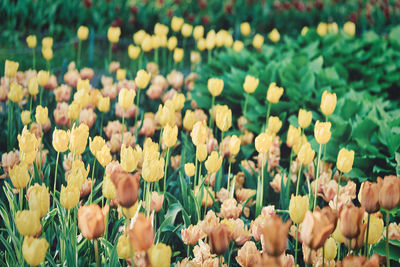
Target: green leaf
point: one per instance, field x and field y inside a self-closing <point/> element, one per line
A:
<point x="394" y="250"/>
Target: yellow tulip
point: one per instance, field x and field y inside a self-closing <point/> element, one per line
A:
<point x="306" y="154"/>
<point x="274" y="36"/>
<point x="333" y="27"/>
<point x="375" y="230"/>
<point x="330" y="249"/>
<point x="199" y="133"/>
<point x="304" y="118"/>
<point x="104" y="156"/>
<point x="16" y="92"/>
<point x="198" y="32"/>
<point x="263" y="142"/>
<point x="166" y="114"/>
<point x="250" y="84"/>
<point x="47" y="42"/>
<point x="322" y="132"/>
<point x="123" y="247"/>
<point x="69" y="196"/>
<point x="201" y="152"/>
<point x="187" y="30"/>
<point x="25" y="117"/>
<point x="234" y="145"/>
<point x="133" y="51"/>
<point x="19" y="175"/>
<point x="139" y="36"/>
<point x="113" y="34"/>
<point x="297" y="208"/>
<point x="215" y="86"/>
<point x="27" y="141"/>
<point x="328" y="103"/>
<point x="350" y="28"/>
<point x="34" y="250"/>
<point x="129" y="158"/>
<point x="172" y="43"/>
<point x="213" y="163"/>
<point x="304" y="30"/>
<point x="41" y="115"/>
<point x="31" y="41"/>
<point x="178" y="55"/>
<point x="78" y="140"/>
<point x="238" y="46"/>
<point x="83" y="33"/>
<point x="11" y="68"/>
<point x="96" y="144"/>
<point x="245" y="28"/>
<point x="160" y="255"/>
<point x="178" y="101"/>
<point x="223" y="118"/>
<point x="258" y="41"/>
<point x="345" y="160"/>
<point x="142" y="79"/>
<point x="126" y="97"/>
<point x="322" y="29"/>
<point x="337" y="234"/>
<point x="293" y="135"/>
<point x="60" y="140"/>
<point x="170" y="135"/>
<point x="27" y="222"/>
<point x="190" y="169"/>
<point x="33" y="86"/>
<point x="104" y="104"/>
<point x="109" y="190"/>
<point x="176" y="24"/>
<point x="83" y="85"/>
<point x="274" y="125"/>
<point x="155" y="41"/>
<point x="74" y="109"/>
<point x="153" y="169"/>
<point x="210" y="40"/>
<point x="274" y="93"/>
<point x="47" y="53"/>
<point x="43" y="77"/>
<point x="160" y="29"/>
<point x="39" y="199"/>
<point x="121" y="74"/>
<point x="201" y="44"/>
<point x="189" y="120"/>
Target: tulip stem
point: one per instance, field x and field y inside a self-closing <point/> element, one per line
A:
<point x="266" y="120"/>
<point x="316" y="177"/>
<point x="107" y="215"/>
<point x="323" y="255"/>
<point x="101" y="124"/>
<point x="33" y="58"/>
<point x="211" y="122"/>
<point x="96" y="252"/>
<point x="338" y="253"/>
<point x="387" y="239"/>
<point x="366" y="237"/>
<point x="209" y="55"/>
<point x="55" y="176"/>
<point x="166" y="169"/>
<point x="297" y="243"/>
<point x="78" y="60"/>
<point x="229" y="173"/>
<point x="21" y="199"/>
<point x="195" y="174"/>
<point x="338" y="189"/>
<point x="91" y="185"/>
<point x="41" y="95"/>
<point x="148" y="199"/>
<point x="260" y="191"/>
<point x="10" y="122"/>
<point x="245" y="104"/>
<point x="109" y="53"/>
<point x="298" y="180"/>
<point x="137" y="113"/>
<point x="156" y="56"/>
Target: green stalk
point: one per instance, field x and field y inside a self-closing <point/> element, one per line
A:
<point x="268" y="112"/>
<point x="338" y="189"/>
<point x="21" y="199"/>
<point x="323" y="255"/>
<point x="137" y="113"/>
<point x="156" y="56"/>
<point x="195" y="174"/>
<point x="91" y="186"/>
<point x="297" y="242"/>
<point x="40" y="95"/>
<point x="33" y="58"/>
<point x="78" y="61"/>
<point x="229" y="173"/>
<point x="208" y="56"/>
<point x="211" y="122"/>
<point x="317" y="177"/>
<point x="96" y="253"/>
<point x="55" y="175"/>
<point x="245" y="105"/>
<point x="166" y="169"/>
<point x="199" y="177"/>
<point x="101" y="124"/>
<point x="148" y="199"/>
<point x="298" y="180"/>
<point x="110" y="53"/>
<point x="260" y="192"/>
<point x="366" y="237"/>
<point x="387" y="240"/>
<point x="10" y="122"/>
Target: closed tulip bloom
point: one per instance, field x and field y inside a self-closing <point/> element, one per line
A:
<point x="293" y="135"/>
<point x="337" y="235"/>
<point x="297" y="208"/>
<point x="333" y="27"/>
<point x="121" y="74"/>
<point x="127" y="189"/>
<point x="147" y="44"/>
<point x="328" y="103"/>
<point x="199" y="133"/>
<point x="104" y="104"/>
<point x="263" y="143"/>
<point x="178" y="55"/>
<point x="139" y="36"/>
<point x="322" y="29"/>
<point x="178" y="101"/>
<point x="91" y="221"/>
<point x="322" y="132"/>
<point x="83" y="33"/>
<point x="125" y="98"/>
<point x="176" y="24"/>
<point x="250" y="84"/>
<point x="123" y="247"/>
<point x="69" y="196"/>
<point x="345" y="160"/>
<point x="172" y="43"/>
<point x="350" y="221"/>
<point x="201" y="152"/>
<point x="153" y="169"/>
<point x="274" y="36"/>
<point x="306" y="154"/>
<point x="47" y="53"/>
<point x="19" y="175"/>
<point x="108" y="189"/>
<point x="189" y="120"/>
<point x="39" y="199"/>
<point x="215" y="86"/>
<point x="330" y="249"/>
<point x="187" y="30"/>
<point x="234" y="145"/>
<point x="41" y="115"/>
<point x="129" y="158"/>
<point x="258" y="41"/>
<point x="274" y="235"/>
<point x="16" y="93"/>
<point x="113" y="34"/>
<point x="34" y="250"/>
<point x="198" y="32"/>
<point x="274" y="93"/>
<point x="170" y="135"/>
<point x="389" y="195"/>
<point x="31" y="41"/>
<point x="43" y="77"/>
<point x="27" y="222"/>
<point x="274" y="125"/>
<point x="190" y="169"/>
<point x="369" y="196"/>
<point x="220" y="238"/>
<point x="316" y="229"/>
<point x="11" y="68"/>
<point x="304" y="118"/>
<point x="78" y="140"/>
<point x="245" y="28"/>
<point x="350" y="28"/>
<point x="104" y="156"/>
<point x="213" y="163"/>
<point x="60" y="140"/>
<point x="33" y="86"/>
<point x="27" y="141"/>
<point x="74" y="110"/>
<point x="223" y="118"/>
<point x="304" y="30"/>
<point x="375" y="230"/>
<point x="96" y="144"/>
<point x="47" y="41"/>
<point x="210" y="40"/>
<point x="201" y="44"/>
<point x="25" y="117"/>
<point x="160" y="255"/>
<point x="133" y="51"/>
<point x="142" y="79"/>
<point x="141" y="235"/>
<point x="238" y="46"/>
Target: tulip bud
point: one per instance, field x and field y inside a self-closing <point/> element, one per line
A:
<point x="190" y="169"/>
<point x="104" y="156"/>
<point x="27" y="141"/>
<point x="172" y="43"/>
<point x="74" y="110"/>
<point x="108" y="189"/>
<point x="187" y="30"/>
<point x="297" y="208"/>
<point x="83" y="33"/>
<point x="39" y="199"/>
<point x="141" y="235"/>
<point x="113" y="34"/>
<point x="220" y="238"/>
<point x="234" y="145"/>
<point x="274" y="235"/>
<point x="350" y="221"/>
<point x="153" y="169"/>
<point x="41" y="115"/>
<point x="176" y="24"/>
<point x="60" y="140"/>
<point x="389" y="195"/>
<point x="123" y="247"/>
<point x="250" y="84"/>
<point x="16" y="93"/>
<point x="133" y="51"/>
<point x="210" y="40"/>
<point x="69" y="196"/>
<point x="337" y="235"/>
<point x="304" y="118"/>
<point x="369" y="196"/>
<point x="322" y="29"/>
<point x="274" y="93"/>
<point x="127" y="188"/>
<point x="333" y="27"/>
<point x="178" y="55"/>
<point x="121" y="74"/>
<point x="47" y="42"/>
<point x="306" y="154"/>
<point x="125" y="98"/>
<point x="375" y="230"/>
<point x="213" y="163"/>
<point x="160" y="255"/>
<point x="78" y="140"/>
<point x="34" y="250"/>
<point x="345" y="160"/>
<point x="245" y="28"/>
<point x="258" y="41"/>
<point x="330" y="249"/>
<point x="31" y="41"/>
<point x="25" y="117"/>
<point x="328" y="103"/>
<point x="142" y="79"/>
<point x="43" y="77"/>
<point x="170" y="135"/>
<point x="304" y="30"/>
<point x="201" y="44"/>
<point x="96" y="144"/>
<point x="238" y="46"/>
<point x="104" y="104"/>
<point x="189" y="120"/>
<point x="201" y="152"/>
<point x="263" y="143"/>
<point x="27" y="222"/>
<point x="47" y="53"/>
<point x="274" y="36"/>
<point x="11" y="68"/>
<point x="223" y="118"/>
<point x="322" y="132"/>
<point x="129" y="158"/>
<point x="215" y="86"/>
<point x="91" y="221"/>
<point x="293" y="135"/>
<point x="274" y="125"/>
<point x="350" y="28"/>
<point x="33" y="86"/>
<point x="199" y="133"/>
<point x="198" y="32"/>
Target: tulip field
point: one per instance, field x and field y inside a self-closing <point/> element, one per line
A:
<point x="200" y="133"/>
